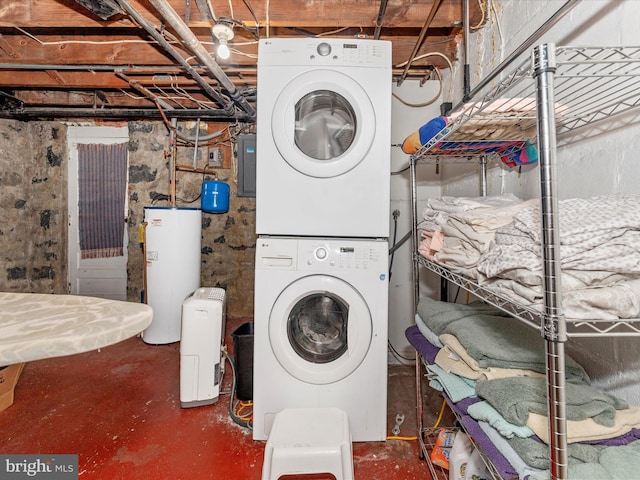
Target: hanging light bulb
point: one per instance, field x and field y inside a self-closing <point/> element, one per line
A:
<point x="223" y="33"/>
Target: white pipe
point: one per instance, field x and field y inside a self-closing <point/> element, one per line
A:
<point x="192" y="42"/>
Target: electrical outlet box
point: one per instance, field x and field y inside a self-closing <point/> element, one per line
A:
<point x="216" y="157"/>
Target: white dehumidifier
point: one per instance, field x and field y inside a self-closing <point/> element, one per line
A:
<point x="202" y="334"/>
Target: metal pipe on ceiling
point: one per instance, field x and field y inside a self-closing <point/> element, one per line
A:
<point x="55" y="66"/>
<point x="423" y="33"/>
<point x="380" y="19"/>
<point x="525" y="46"/>
<point x="191" y="41"/>
<point x="144" y="91"/>
<point x="168" y="108"/>
<point x="467" y="79"/>
<point x="213" y="94"/>
<point x="47" y="113"/>
<point x="205" y="11"/>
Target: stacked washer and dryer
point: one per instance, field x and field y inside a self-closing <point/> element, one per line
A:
<point x="322" y="188"/>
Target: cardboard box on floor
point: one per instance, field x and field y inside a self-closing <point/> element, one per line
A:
<point x="8" y="379"/>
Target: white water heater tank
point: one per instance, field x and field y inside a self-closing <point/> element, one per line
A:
<point x="172" y="249"/>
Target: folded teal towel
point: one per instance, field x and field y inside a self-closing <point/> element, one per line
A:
<point x="483" y="411"/>
<point x="456" y="387"/>
<point x="536" y="454"/>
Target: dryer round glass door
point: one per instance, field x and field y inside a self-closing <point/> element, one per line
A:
<point x="320" y="329"/>
<point x="323" y="123"/>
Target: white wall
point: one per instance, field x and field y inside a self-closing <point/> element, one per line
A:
<point x="405" y="119"/>
<point x="604" y="163"/>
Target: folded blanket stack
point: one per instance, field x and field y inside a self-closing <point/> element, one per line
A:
<point x="496" y="241"/>
<point x="456" y="231"/>
<point x="599" y="257"/>
<point x="491" y="337"/>
<point x="495" y="367"/>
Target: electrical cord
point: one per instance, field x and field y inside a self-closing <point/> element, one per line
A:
<point x="435" y="425"/>
<point x="394" y="247"/>
<point x="402" y="438"/>
<point x="439" y="419"/>
<point x="425" y="103"/>
<point x="406" y="237"/>
<point x="242" y="421"/>
<point x="403" y="360"/>
<point x="396" y="214"/>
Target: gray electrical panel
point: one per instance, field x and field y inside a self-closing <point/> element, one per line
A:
<point x="247" y="165"/>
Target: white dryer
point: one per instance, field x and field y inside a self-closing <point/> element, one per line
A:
<point x="323" y="137"/>
<point x="320" y="331"/>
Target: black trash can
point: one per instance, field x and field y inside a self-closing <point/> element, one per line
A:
<point x="243" y="352"/>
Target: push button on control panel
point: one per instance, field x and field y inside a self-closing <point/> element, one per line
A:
<point x="321" y="253"/>
<point x="323" y="49"/>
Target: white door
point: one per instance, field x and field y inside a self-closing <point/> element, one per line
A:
<point x="97" y="277"/>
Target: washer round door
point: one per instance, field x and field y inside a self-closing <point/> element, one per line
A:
<point x="320" y="329"/>
<point x="323" y="123"/>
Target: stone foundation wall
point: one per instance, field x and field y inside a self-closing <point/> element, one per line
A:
<point x="33" y="212"/>
<point x="33" y="207"/>
<point x="228" y="239"/>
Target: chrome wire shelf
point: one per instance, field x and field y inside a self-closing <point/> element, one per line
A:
<point x="547" y="99"/>
<point x="530" y="316"/>
<point x="427" y="441"/>
<point x="427" y="436"/>
<point x="591" y="84"/>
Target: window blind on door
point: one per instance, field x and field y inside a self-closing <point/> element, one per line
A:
<point x="102" y="182"/>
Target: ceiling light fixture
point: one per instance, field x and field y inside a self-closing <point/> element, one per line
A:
<point x="223" y="33"/>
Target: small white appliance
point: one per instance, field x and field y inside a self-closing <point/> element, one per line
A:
<point x="320" y="329"/>
<point x="323" y="137"/>
<point x="201" y="365"/>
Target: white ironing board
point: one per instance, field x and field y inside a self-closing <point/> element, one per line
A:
<point x="34" y="326"/>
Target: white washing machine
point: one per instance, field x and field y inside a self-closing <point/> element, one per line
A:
<point x="320" y="331"/>
<point x="323" y="141"/>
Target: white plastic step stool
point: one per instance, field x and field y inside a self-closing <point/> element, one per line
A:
<point x="309" y="440"/>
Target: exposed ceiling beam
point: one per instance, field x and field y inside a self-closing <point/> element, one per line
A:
<point x="70" y="52"/>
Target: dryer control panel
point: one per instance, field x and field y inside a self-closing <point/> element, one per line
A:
<point x="345" y="52"/>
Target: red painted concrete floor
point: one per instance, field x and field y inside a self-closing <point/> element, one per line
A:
<point x="119" y="410"/>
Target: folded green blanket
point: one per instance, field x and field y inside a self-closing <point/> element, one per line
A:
<point x="492" y="337"/>
<point x="515" y="397"/>
<point x="590" y="462"/>
<point x="438" y="315"/>
<point x="536" y="454"/>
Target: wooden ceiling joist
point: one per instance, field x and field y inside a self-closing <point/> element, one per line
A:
<point x="77" y="46"/>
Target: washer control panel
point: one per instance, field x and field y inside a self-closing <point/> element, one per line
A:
<point x="334" y="254"/>
<point x="321" y="253"/>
